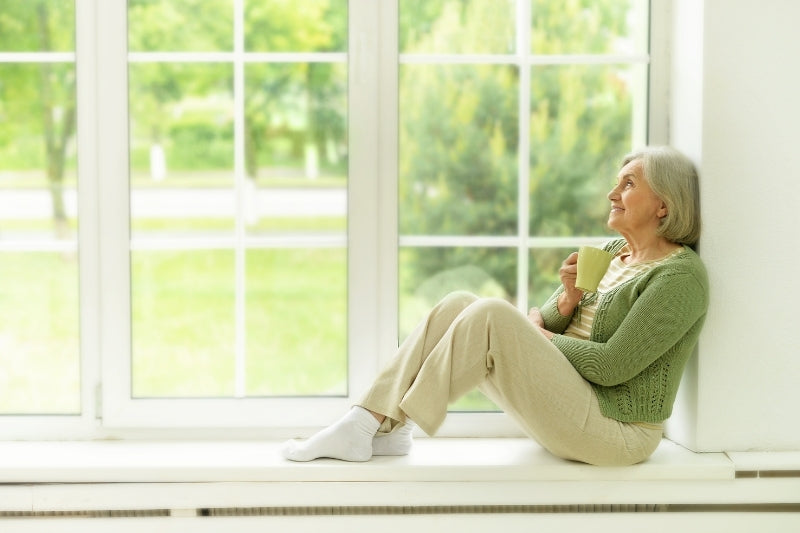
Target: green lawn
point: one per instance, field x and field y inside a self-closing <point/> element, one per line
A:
<point x="39" y="346"/>
<point x="184" y="324"/>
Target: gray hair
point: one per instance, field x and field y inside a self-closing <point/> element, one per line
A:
<point x="673" y="178"/>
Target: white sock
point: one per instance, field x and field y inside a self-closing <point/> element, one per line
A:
<point x="398" y="442"/>
<point x="349" y="439"/>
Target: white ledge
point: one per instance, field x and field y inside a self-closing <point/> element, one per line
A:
<point x="438" y="459"/>
<point x="187" y="477"/>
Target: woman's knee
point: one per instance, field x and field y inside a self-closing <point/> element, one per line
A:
<point x="458" y="300"/>
<point x="489" y="307"/>
<point x="485" y="311"/>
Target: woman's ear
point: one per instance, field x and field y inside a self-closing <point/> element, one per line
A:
<point x="662" y="212"/>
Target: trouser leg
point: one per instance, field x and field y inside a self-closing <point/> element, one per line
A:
<point x="394" y="381"/>
<point x="492" y="342"/>
<point x="491" y="345"/>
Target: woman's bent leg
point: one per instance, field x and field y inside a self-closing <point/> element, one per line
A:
<point x="494" y="346"/>
<point x="489" y="339"/>
<point x="393" y="382"/>
<point x="353" y="437"/>
<point x="535" y="384"/>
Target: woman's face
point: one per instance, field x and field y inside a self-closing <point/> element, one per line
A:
<point x="635" y="208"/>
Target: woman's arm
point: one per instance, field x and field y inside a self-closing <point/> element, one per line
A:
<point x="659" y="318"/>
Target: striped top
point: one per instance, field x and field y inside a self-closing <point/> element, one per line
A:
<point x="580" y="327"/>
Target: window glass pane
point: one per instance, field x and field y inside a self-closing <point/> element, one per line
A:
<point x="180" y="25"/>
<point x="457" y="26"/>
<point x="290" y="293"/>
<point x="543" y="273"/>
<point x="181" y="123"/>
<point x="296" y="148"/>
<point x="39" y="315"/>
<point x="427" y="274"/>
<point x="458" y="150"/>
<point x="239" y="201"/>
<point x="292" y="26"/>
<point x="589" y="26"/>
<point x="39" y="347"/>
<point x="183" y="323"/>
<point x="42" y="26"/>
<point x="581" y="125"/>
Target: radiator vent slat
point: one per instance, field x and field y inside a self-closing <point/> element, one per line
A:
<point x="127" y="513"/>
<point x="412" y="510"/>
<point x="434" y="509"/>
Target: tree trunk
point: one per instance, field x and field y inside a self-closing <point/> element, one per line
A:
<point x="55" y="141"/>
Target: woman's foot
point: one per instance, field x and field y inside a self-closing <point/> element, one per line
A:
<point x="398" y="442"/>
<point x="349" y="439"/>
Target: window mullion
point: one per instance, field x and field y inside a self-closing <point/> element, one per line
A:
<point x="240" y="261"/>
<point x="87" y="89"/>
<point x="362" y="194"/>
<point x="388" y="138"/>
<point x="113" y="207"/>
<point x="523" y="155"/>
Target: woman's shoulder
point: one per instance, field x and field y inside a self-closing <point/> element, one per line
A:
<point x="685" y="263"/>
<point x="688" y="258"/>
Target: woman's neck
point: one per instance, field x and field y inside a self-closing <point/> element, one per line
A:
<point x="648" y="249"/>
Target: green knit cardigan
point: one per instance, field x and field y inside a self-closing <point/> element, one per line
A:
<point x="643" y="333"/>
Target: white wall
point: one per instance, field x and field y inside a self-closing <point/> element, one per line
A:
<point x="735" y="109"/>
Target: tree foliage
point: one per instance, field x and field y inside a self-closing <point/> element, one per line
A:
<point x="460" y="129"/>
<point x="459" y="123"/>
<point x="37" y="101"/>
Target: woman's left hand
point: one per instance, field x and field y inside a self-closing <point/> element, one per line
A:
<point x="535" y="316"/>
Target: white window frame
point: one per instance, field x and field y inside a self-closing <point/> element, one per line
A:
<point x="373" y="239"/>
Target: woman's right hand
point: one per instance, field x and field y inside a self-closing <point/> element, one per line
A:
<point x="571" y="296"/>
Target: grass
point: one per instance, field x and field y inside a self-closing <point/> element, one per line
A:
<point x="184" y="323"/>
<point x="39" y="345"/>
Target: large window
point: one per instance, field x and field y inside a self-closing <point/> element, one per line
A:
<point x="273" y="192"/>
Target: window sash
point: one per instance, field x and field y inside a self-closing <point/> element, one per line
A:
<point x="104" y="236"/>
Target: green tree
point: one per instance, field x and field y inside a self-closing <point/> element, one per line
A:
<point x="458" y="138"/>
<point x="459" y="130"/>
<point x="40" y="25"/>
<point x="304" y="102"/>
<point x="158" y="89"/>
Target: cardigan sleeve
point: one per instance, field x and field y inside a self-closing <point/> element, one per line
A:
<point x="664" y="311"/>
<point x="553" y="320"/>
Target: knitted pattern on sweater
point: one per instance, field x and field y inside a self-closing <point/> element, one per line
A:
<point x="643" y="333"/>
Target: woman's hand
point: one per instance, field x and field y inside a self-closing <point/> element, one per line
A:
<point x="535" y="316"/>
<point x="571" y="296"/>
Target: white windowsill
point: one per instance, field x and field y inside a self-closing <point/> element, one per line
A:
<point x="113" y="475"/>
<point x="437" y="459"/>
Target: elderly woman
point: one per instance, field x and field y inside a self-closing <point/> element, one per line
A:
<point x="591" y="377"/>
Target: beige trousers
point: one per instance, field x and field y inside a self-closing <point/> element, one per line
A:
<point x="467" y="342"/>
